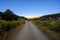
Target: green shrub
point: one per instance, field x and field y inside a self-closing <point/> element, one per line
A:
<point x="49" y="27"/>
<point x="51" y="24"/>
<point x="54" y="25"/>
<point x="7" y="26"/>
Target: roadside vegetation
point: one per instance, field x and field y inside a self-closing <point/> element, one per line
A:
<point x="7" y="26"/>
<point x="8" y="22"/>
<point x="49" y="27"/>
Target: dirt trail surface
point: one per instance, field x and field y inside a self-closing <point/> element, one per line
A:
<point x="30" y="32"/>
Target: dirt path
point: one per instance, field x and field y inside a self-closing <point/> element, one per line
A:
<point x="30" y="32"/>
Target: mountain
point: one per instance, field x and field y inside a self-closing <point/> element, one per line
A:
<point x="1" y="15"/>
<point x="9" y="15"/>
<point x="51" y="17"/>
<point x="32" y="17"/>
<point x="55" y="16"/>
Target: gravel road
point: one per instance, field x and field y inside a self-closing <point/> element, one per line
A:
<point x="30" y="32"/>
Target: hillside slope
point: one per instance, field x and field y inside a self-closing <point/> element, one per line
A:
<point x="9" y="15"/>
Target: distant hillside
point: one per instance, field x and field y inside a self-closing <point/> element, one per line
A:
<point x="9" y="15"/>
<point x="51" y="17"/>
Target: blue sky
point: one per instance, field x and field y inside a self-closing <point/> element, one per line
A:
<point x="30" y="8"/>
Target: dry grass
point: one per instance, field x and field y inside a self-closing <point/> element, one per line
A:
<point x="7" y="26"/>
<point x="14" y="32"/>
<point x="49" y="27"/>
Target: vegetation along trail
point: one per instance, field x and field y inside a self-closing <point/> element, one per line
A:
<point x="30" y="32"/>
